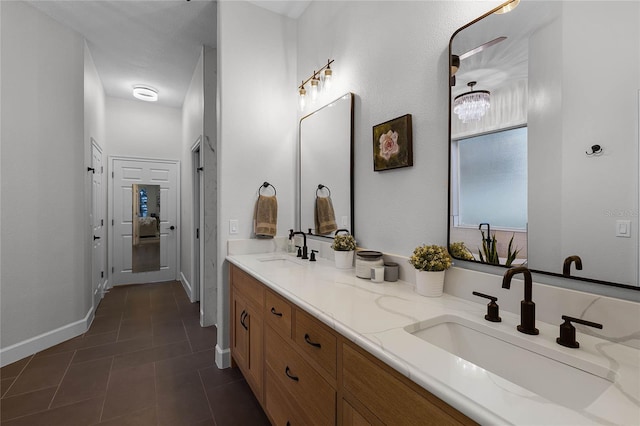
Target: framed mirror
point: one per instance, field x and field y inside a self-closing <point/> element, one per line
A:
<point x="326" y="169"/>
<point x="544" y="113"/>
<point x="146" y="228"/>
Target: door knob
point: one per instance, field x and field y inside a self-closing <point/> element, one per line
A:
<point x="172" y="227"/>
<point x="95" y="238"/>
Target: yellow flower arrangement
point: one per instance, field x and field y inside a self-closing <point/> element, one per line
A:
<point x="430" y="258"/>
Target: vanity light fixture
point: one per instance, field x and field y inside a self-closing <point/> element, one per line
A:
<point x="145" y="93"/>
<point x="320" y="80"/>
<point x="507" y="7"/>
<point x="472" y="105"/>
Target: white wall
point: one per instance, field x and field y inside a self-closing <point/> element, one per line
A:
<point x="141" y="129"/>
<point x="192" y="130"/>
<point x="44" y="240"/>
<point x="257" y="125"/>
<point x="393" y="57"/>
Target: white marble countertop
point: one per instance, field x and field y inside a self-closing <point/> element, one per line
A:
<point x="374" y="316"/>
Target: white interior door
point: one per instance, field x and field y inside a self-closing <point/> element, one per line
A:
<point x="97" y="224"/>
<point x="125" y="173"/>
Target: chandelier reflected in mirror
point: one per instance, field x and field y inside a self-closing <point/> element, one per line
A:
<point x="472" y="105"/>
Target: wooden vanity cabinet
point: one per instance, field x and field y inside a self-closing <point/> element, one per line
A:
<point x="305" y="373"/>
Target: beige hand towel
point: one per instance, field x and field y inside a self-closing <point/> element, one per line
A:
<point x="265" y="217"/>
<point x="325" y="217"/>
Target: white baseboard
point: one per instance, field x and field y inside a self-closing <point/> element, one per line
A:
<point x="46" y="340"/>
<point x="223" y="357"/>
<point x="187" y="286"/>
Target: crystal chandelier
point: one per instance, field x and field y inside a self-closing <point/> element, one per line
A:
<point x="472" y="105"/>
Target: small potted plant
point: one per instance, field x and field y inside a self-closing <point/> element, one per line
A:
<point x="344" y="246"/>
<point x="431" y="262"/>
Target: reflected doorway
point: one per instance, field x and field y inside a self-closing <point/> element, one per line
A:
<point x="146" y="228"/>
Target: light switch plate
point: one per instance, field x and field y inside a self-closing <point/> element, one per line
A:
<point x="233" y="226"/>
<point x="623" y="228"/>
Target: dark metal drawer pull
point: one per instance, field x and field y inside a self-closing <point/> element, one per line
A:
<point x="287" y="372"/>
<point x="308" y="340"/>
<point x="243" y="316"/>
<point x="273" y="311"/>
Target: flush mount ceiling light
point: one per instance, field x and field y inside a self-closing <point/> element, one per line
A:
<point x="145" y="93"/>
<point x="472" y="105"/>
<point x="320" y="80"/>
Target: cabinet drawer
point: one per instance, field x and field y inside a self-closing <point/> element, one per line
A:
<point x="281" y="409"/>
<point x="316" y="398"/>
<point x="278" y="314"/>
<point x="244" y="283"/>
<point x="316" y="340"/>
<point x="388" y="395"/>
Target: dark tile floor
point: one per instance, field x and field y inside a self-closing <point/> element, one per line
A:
<point x="144" y="361"/>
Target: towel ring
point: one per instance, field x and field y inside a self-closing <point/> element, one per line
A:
<point x="266" y="185"/>
<point x="321" y="186"/>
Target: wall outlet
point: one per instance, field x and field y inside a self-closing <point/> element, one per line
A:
<point x="233" y="226"/>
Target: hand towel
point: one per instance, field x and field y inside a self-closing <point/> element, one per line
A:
<point x="265" y="217"/>
<point x="325" y="217"/>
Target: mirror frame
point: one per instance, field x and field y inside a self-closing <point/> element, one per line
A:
<point x="351" y="165"/>
<point x="449" y="212"/>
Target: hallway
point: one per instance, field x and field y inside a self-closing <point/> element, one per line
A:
<point x="144" y="361"/>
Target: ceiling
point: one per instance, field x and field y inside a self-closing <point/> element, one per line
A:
<point x="150" y="42"/>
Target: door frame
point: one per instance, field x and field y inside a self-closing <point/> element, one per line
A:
<point x="197" y="261"/>
<point x="104" y="213"/>
<point x="110" y="220"/>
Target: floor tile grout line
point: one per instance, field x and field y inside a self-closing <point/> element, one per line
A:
<point x="15" y="379"/>
<point x="106" y="389"/>
<point x="155" y="391"/>
<point x="206" y="394"/>
<point x="62" y="379"/>
<point x="46" y="409"/>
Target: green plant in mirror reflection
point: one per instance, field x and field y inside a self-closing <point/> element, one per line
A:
<point x="490" y="250"/>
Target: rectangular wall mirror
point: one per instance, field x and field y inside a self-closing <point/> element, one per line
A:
<point x="326" y="165"/>
<point x="146" y="228"/>
<point x="553" y="161"/>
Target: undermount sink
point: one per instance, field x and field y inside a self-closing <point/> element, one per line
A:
<point x="554" y="375"/>
<point x="280" y="261"/>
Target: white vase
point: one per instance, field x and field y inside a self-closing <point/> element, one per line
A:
<point x="429" y="283"/>
<point x="344" y="259"/>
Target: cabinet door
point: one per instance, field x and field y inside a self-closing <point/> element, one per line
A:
<point x="255" y="358"/>
<point x="352" y="417"/>
<point x="239" y="332"/>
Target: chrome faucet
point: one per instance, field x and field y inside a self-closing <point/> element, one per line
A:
<point x="304" y="243"/>
<point x="527" y="307"/>
<point x="566" y="267"/>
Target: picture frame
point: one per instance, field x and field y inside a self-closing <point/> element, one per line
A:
<point x="393" y="144"/>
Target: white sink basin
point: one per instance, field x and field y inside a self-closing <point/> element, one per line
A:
<point x="280" y="261"/>
<point x="554" y="375"/>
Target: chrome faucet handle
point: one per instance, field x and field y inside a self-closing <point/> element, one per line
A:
<point x="493" y="310"/>
<point x="568" y="331"/>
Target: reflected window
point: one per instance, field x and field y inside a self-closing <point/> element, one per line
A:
<point x="491" y="179"/>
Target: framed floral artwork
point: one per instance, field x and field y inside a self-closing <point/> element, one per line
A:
<point x="393" y="144"/>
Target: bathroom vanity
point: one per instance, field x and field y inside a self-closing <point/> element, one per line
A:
<point x="318" y="345"/>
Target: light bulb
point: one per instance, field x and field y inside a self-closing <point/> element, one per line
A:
<point x="314" y="89"/>
<point x="328" y="77"/>
<point x="303" y="94"/>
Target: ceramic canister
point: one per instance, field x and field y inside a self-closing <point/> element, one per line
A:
<point x="365" y="260"/>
